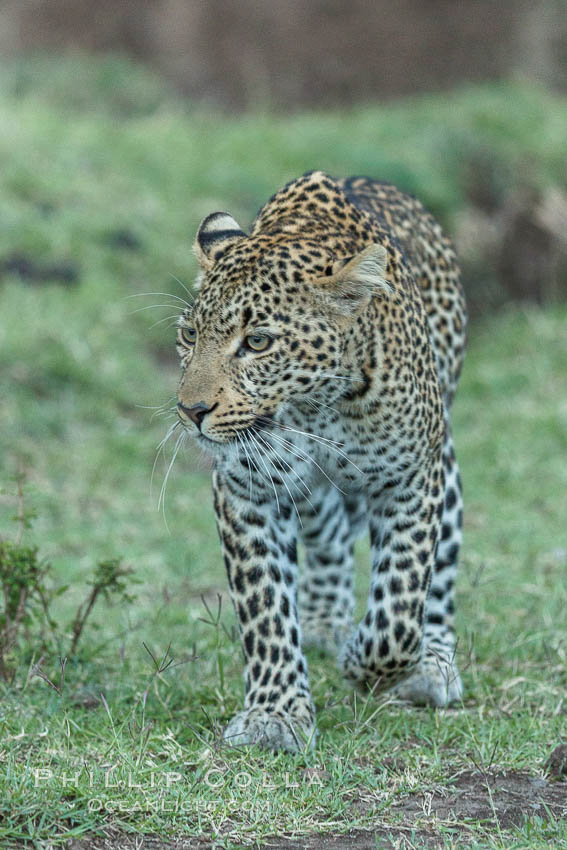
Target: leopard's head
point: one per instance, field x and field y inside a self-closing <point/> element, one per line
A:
<point x="270" y="324"/>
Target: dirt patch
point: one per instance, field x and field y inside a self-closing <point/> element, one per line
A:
<point x="123" y="239"/>
<point x="32" y="272"/>
<point x="503" y="798"/>
<point x="506" y="799"/>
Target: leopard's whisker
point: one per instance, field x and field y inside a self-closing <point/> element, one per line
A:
<point x="165" y="319"/>
<point x="287" y="463"/>
<point x="160" y="448"/>
<point x="155" y="406"/>
<point x="267" y="470"/>
<point x="304" y="456"/>
<point x="163" y="412"/>
<point x="168" y="434"/>
<point x="241" y="441"/>
<point x="189" y="294"/>
<point x="150" y="307"/>
<point x="267" y="421"/>
<point x="161" y="500"/>
<point x="332" y="445"/>
<point x="282" y="474"/>
<point x="252" y="453"/>
<point x="316" y="406"/>
<point x="165" y="294"/>
<point x="167" y="415"/>
<point x="171" y="411"/>
<point x="247" y="440"/>
<point x="322" y="404"/>
<point x="282" y="460"/>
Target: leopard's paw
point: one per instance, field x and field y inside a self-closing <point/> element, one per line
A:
<point x="270" y="730"/>
<point x="436" y="682"/>
<point x="326" y="636"/>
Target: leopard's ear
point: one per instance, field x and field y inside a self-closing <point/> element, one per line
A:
<point x="350" y="283"/>
<point x="216" y="232"/>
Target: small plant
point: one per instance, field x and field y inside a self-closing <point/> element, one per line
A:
<point x="110" y="580"/>
<point x="27" y="593"/>
<point x="24" y="597"/>
<point x="215" y="621"/>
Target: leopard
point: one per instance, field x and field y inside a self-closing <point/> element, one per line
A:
<point x="319" y="362"/>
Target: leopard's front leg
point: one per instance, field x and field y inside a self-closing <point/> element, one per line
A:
<point x="258" y="538"/>
<point x="404" y="517"/>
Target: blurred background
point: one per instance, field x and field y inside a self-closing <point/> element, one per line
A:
<point x="123" y="124"/>
<point x="490" y="161"/>
<point x="296" y="54"/>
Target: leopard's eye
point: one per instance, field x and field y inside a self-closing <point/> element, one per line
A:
<point x="258" y="342"/>
<point x="189" y="335"/>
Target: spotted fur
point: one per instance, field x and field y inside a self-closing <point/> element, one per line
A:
<point x="338" y="424"/>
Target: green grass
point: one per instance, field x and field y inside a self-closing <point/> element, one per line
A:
<point x="77" y="367"/>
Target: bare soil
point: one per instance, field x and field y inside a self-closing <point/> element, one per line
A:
<point x="501" y="800"/>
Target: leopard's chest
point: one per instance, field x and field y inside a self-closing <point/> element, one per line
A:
<point x="322" y="444"/>
<point x="311" y="445"/>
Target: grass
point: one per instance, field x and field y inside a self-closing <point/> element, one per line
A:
<point x="117" y="202"/>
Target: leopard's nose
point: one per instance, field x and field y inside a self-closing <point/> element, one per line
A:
<point x="196" y="413"/>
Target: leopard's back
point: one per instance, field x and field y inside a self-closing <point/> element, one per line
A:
<point x="432" y="260"/>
